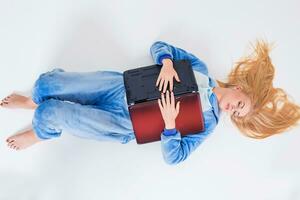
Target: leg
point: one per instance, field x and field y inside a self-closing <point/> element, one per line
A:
<point x="18" y="101"/>
<point x="87" y="88"/>
<point x="99" y="88"/>
<point x="52" y="117"/>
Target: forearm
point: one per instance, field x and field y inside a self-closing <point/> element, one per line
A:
<point x="162" y="50"/>
<point x="170" y="125"/>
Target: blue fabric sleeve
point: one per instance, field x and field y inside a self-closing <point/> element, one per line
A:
<point x="163" y="57"/>
<point x="160" y="50"/>
<point x="176" y="149"/>
<point x="169" y="131"/>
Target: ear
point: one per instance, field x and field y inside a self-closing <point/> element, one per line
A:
<point x="238" y="87"/>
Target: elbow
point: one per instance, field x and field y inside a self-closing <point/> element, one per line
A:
<point x="158" y="42"/>
<point x="174" y="161"/>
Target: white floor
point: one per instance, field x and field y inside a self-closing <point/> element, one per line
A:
<point x="36" y="36"/>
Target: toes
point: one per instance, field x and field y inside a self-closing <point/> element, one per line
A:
<point x="7" y="98"/>
<point x="10" y="139"/>
<point x="11" y="144"/>
<point x="3" y="103"/>
<point x="14" y="146"/>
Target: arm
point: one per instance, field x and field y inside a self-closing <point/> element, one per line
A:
<point x="162" y="50"/>
<point x="176" y="149"/>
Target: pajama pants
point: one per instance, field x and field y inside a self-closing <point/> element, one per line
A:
<point x="89" y="105"/>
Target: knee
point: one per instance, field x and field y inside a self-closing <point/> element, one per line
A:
<point x="44" y="84"/>
<point x="48" y="110"/>
<point x="44" y="78"/>
<point x="46" y="120"/>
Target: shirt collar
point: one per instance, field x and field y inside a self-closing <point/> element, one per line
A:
<point x="213" y="99"/>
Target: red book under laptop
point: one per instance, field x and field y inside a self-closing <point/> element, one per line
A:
<point x="142" y="96"/>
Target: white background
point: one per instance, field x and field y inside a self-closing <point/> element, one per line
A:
<point x="36" y="36"/>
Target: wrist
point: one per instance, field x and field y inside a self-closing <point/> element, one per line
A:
<point x="167" y="61"/>
<point x="170" y="125"/>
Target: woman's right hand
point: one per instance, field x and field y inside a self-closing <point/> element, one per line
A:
<point x="166" y="75"/>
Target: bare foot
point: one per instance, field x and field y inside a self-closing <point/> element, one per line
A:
<point x="22" y="140"/>
<point x="18" y="101"/>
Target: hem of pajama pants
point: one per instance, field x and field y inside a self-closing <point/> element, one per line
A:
<point x="38" y="133"/>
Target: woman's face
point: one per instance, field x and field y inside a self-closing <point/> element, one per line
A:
<point x="235" y="102"/>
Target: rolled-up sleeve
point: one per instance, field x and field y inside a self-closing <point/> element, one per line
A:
<point x="160" y="50"/>
<point x="176" y="149"/>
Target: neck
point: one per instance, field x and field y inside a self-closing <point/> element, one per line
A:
<point x="218" y="92"/>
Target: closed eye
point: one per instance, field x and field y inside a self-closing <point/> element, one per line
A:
<point x="240" y="102"/>
<point x="241" y="107"/>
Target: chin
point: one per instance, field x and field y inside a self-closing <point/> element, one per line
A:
<point x="222" y="108"/>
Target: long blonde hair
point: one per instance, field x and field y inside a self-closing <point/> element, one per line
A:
<point x="272" y="112"/>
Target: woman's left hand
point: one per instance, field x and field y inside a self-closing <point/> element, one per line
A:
<point x="168" y="110"/>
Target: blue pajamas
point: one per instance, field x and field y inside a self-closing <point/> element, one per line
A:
<point x="86" y="104"/>
<point x="175" y="148"/>
<point x="93" y="105"/>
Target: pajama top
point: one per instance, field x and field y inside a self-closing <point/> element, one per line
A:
<point x="175" y="148"/>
